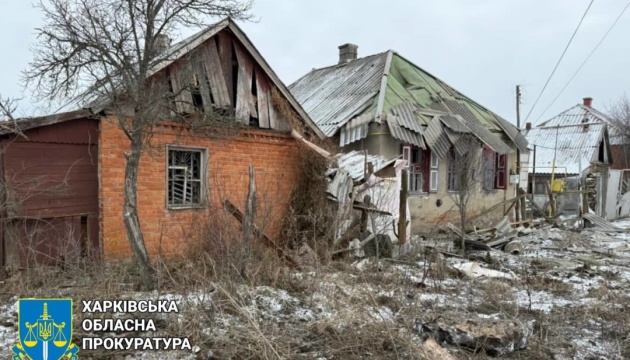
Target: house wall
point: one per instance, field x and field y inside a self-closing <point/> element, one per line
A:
<point x="620" y="157"/>
<point x="426" y="215"/>
<point x="274" y="155"/>
<point x="52" y="194"/>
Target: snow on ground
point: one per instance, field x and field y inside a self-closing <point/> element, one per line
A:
<point x="571" y="292"/>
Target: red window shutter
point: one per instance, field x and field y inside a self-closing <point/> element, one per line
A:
<point x="426" y="169"/>
<point x="501" y="173"/>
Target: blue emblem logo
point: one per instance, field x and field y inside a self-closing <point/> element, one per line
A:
<point x="45" y="330"/>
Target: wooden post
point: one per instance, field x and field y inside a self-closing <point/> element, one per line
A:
<point x="250" y="207"/>
<point x="402" y="210"/>
<point x="521" y="194"/>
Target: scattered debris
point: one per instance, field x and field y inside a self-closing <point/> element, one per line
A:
<point x="474" y="271"/>
<point x="494" y="337"/>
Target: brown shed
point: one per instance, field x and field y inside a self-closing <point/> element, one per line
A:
<point x="50" y="190"/>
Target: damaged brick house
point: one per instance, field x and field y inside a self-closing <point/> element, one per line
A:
<point x="73" y="164"/>
<point x="388" y="106"/>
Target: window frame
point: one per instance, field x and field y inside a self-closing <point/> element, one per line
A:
<point x="424" y="165"/>
<point x="203" y="171"/>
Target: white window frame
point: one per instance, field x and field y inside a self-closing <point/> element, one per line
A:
<point x="412" y="172"/>
<point x="434" y="173"/>
<point x="203" y="171"/>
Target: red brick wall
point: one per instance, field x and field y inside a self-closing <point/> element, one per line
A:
<point x="273" y="154"/>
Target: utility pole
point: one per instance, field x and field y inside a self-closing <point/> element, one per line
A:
<point x="519" y="216"/>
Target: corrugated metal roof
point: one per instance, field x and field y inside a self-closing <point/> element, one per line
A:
<point x="576" y="148"/>
<point x="407" y="117"/>
<point x="580" y="113"/>
<point x="454" y="124"/>
<point x="485" y="135"/>
<point x="354" y="163"/>
<point x="404" y="135"/>
<point x="348" y="134"/>
<point x="335" y="94"/>
<point x="462" y="147"/>
<point x="513" y="132"/>
<point x="436" y="138"/>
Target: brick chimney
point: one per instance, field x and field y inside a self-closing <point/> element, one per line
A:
<point x="347" y="53"/>
<point x="588" y="101"/>
<point x="162" y="43"/>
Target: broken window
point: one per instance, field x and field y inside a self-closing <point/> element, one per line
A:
<point x="422" y="169"/>
<point x="186" y="177"/>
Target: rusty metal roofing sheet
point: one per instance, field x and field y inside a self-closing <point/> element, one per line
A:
<point x="333" y="95"/>
<point x="404" y="135"/>
<point x="354" y="163"/>
<point x="577" y="146"/>
<point x="436" y="138"/>
<point x="348" y="135"/>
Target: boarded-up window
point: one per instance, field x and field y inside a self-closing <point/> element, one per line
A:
<point x="186" y="177"/>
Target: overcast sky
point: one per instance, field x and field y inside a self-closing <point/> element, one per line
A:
<point x="483" y="48"/>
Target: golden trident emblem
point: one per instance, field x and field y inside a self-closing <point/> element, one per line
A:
<point x="44" y="326"/>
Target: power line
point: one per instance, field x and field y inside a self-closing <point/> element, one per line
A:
<point x="585" y="60"/>
<point x="559" y="60"/>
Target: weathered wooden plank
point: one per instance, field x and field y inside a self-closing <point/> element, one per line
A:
<point x="225" y="52"/>
<point x="263" y="101"/>
<point x="246" y="73"/>
<point x="204" y="88"/>
<point x="181" y="88"/>
<point x="273" y="114"/>
<point x="212" y="64"/>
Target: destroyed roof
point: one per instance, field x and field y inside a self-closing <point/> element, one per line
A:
<point x="354" y="163"/>
<point x="90" y="100"/>
<point x="577" y="145"/>
<point x="581" y="112"/>
<point x="345" y="98"/>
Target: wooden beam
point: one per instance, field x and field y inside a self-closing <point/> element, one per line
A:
<point x="264" y="100"/>
<point x="246" y="72"/>
<point x="212" y="64"/>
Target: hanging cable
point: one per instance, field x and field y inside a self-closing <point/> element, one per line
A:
<point x="585" y="60"/>
<point x="559" y="60"/>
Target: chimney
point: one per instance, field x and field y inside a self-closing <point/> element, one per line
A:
<point x="161" y="43"/>
<point x="528" y="126"/>
<point x="588" y="101"/>
<point x="347" y="53"/>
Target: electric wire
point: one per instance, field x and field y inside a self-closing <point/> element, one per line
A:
<point x="585" y="60"/>
<point x="559" y="60"/>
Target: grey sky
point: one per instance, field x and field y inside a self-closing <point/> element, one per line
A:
<point x="483" y="48"/>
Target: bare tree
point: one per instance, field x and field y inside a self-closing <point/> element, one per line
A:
<point x="8" y="121"/>
<point x="114" y="46"/>
<point x="465" y="175"/>
<point x="619" y="114"/>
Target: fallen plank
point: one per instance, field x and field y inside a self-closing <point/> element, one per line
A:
<point x="600" y="222"/>
<point x="259" y="234"/>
